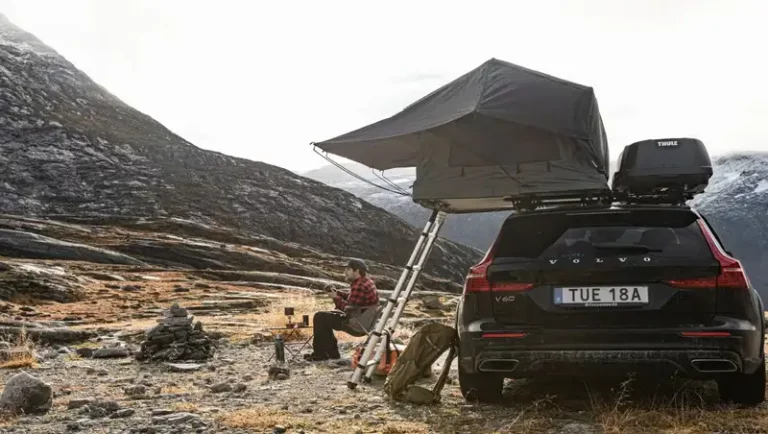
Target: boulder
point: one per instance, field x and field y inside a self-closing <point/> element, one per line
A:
<point x="25" y="394"/>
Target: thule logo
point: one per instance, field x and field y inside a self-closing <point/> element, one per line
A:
<point x="667" y="143"/>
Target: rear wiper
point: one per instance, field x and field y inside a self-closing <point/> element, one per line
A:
<point x="625" y="248"/>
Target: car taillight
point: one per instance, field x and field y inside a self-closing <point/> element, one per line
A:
<point x="699" y="283"/>
<point x="731" y="272"/>
<point x="477" y="279"/>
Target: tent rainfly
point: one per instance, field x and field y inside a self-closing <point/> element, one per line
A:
<point x="498" y="133"/>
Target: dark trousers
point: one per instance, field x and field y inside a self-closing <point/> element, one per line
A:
<point x="325" y="322"/>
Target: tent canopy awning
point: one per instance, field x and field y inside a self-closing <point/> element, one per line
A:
<point x="497" y="116"/>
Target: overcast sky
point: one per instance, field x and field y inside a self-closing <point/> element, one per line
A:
<point x="263" y="79"/>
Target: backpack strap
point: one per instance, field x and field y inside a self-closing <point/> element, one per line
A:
<point x="452" y="353"/>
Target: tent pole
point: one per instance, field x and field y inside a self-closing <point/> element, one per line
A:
<point x="375" y="335"/>
<point x="401" y="302"/>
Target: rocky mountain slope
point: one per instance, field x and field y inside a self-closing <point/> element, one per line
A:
<point x="67" y="146"/>
<point x="736" y="203"/>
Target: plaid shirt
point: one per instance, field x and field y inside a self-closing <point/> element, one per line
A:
<point x="362" y="293"/>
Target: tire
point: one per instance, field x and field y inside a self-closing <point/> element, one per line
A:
<point x="744" y="389"/>
<point x="482" y="387"/>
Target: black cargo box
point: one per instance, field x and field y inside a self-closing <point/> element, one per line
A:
<point x="676" y="169"/>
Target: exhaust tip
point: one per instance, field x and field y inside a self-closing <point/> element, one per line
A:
<point x="714" y="365"/>
<point x="498" y="365"/>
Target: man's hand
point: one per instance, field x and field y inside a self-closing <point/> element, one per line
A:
<point x="331" y="290"/>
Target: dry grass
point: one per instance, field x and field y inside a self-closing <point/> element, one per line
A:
<point x="688" y="410"/>
<point x="264" y="419"/>
<point x="186" y="407"/>
<point x="261" y="419"/>
<point x="173" y="390"/>
<point x="8" y="420"/>
<point x="22" y="354"/>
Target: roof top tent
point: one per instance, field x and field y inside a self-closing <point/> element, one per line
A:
<point x="498" y="134"/>
<point x="496" y="137"/>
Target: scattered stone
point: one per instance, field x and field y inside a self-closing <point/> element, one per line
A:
<point x="239" y="388"/>
<point x="178" y="419"/>
<point x="131" y="288"/>
<point x="122" y="413"/>
<point x="24" y="393"/>
<point x="259" y="338"/>
<point x="138" y="391"/>
<point x="279" y="429"/>
<point x="183" y="367"/>
<point x="84" y="352"/>
<point x="78" y="425"/>
<point x="432" y="302"/>
<point x="181" y="289"/>
<point x="161" y="412"/>
<point x="102" y="372"/>
<point x="340" y="363"/>
<point x="202" y="285"/>
<point x="111" y="353"/>
<point x="100" y="409"/>
<point x="247" y="377"/>
<point x="221" y="388"/>
<point x="78" y="403"/>
<point x="278" y="373"/>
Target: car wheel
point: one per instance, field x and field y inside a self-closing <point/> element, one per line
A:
<point x="481" y="386"/>
<point x="745" y="389"/>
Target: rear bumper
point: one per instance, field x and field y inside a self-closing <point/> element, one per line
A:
<point x="528" y="352"/>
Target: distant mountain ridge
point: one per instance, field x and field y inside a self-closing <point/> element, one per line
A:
<point x="68" y="146"/>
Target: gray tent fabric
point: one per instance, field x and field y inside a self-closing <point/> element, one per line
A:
<point x="496" y="108"/>
<point x="499" y="130"/>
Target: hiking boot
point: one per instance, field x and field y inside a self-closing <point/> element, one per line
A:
<point x="315" y="357"/>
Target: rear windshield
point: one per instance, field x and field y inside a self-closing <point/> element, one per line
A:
<point x="607" y="233"/>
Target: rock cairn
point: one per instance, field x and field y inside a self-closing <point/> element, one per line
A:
<point x="176" y="338"/>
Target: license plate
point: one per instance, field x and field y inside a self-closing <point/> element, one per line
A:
<point x="601" y="296"/>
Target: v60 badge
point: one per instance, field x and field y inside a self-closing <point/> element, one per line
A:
<point x="505" y="299"/>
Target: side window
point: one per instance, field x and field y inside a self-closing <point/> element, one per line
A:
<point x="714" y="232"/>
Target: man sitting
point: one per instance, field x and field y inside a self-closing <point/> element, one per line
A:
<point x="356" y="313"/>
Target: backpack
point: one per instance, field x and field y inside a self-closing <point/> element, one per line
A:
<point x="424" y="348"/>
